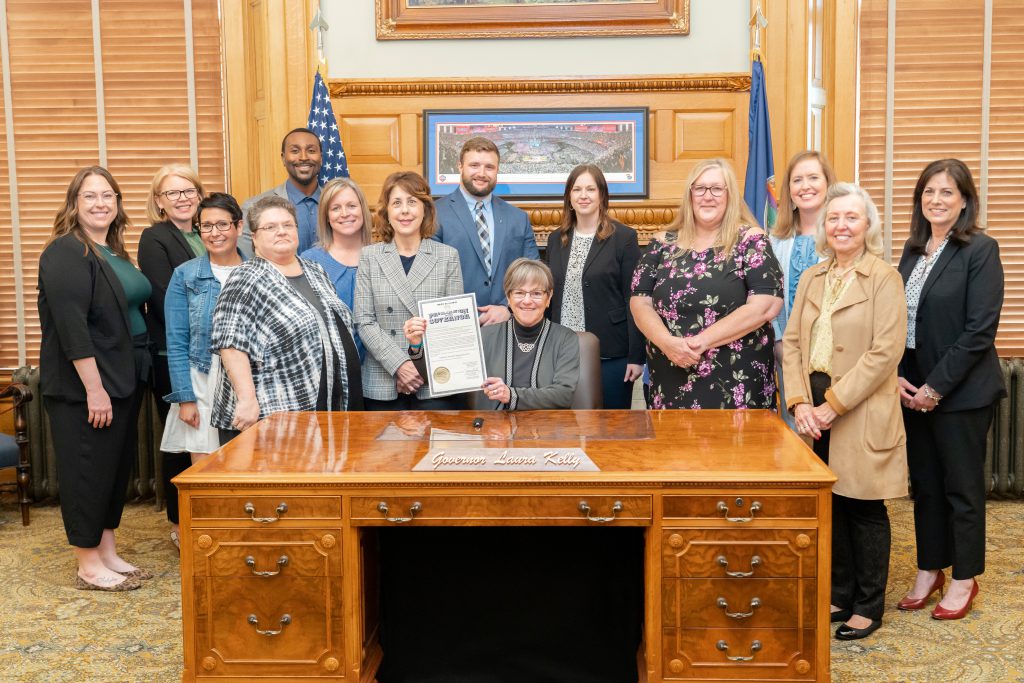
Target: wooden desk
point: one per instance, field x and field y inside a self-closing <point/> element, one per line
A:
<point x="736" y="512"/>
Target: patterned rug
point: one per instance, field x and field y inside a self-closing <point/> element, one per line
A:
<point x="50" y="632"/>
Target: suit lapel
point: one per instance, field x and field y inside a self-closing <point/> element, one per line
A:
<point x="115" y="285"/>
<point x="391" y="265"/>
<point x="854" y="294"/>
<point x="180" y="240"/>
<point x="498" y="213"/>
<point x="948" y="252"/>
<point x="816" y="288"/>
<point x="596" y="246"/>
<point x="422" y="266"/>
<point x="461" y="209"/>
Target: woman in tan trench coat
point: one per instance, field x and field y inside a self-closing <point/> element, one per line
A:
<point x="841" y="350"/>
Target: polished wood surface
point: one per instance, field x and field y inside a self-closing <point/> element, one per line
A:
<point x="280" y="567"/>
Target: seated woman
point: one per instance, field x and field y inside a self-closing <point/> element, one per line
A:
<point x="532" y="363"/>
<point x="284" y="337"/>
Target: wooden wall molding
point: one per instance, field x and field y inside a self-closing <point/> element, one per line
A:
<point x="647" y="218"/>
<point x="437" y="87"/>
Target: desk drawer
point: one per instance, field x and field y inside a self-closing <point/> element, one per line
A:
<point x="265" y="510"/>
<point x="244" y="552"/>
<point x="739" y="553"/>
<point x="740" y="508"/>
<point x="487" y="510"/>
<point x="738" y="603"/>
<point x="768" y="654"/>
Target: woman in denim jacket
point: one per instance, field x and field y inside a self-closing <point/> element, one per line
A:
<point x="188" y="309"/>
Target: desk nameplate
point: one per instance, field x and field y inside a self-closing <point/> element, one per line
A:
<point x="463" y="459"/>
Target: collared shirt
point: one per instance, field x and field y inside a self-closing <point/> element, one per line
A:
<point x="471" y="201"/>
<point x="305" y="212"/>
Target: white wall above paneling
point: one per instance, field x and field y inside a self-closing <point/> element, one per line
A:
<point x="718" y="42"/>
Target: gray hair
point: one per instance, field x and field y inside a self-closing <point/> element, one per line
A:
<point x="872" y="237"/>
<point x="524" y="271"/>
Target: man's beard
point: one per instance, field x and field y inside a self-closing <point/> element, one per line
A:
<point x="468" y="184"/>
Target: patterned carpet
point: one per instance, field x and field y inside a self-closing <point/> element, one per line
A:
<point x="50" y="632"/>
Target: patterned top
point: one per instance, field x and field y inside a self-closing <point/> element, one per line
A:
<point x="573" y="315"/>
<point x="915" y="283"/>
<point x="691" y="290"/>
<point x="821" y="330"/>
<point x="261" y="315"/>
<point x="795" y="254"/>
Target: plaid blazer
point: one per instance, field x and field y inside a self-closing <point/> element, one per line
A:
<point x="386" y="297"/>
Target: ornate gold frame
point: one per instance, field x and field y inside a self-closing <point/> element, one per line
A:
<point x="397" y="21"/>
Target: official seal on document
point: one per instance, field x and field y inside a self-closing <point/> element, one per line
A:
<point x="442" y="375"/>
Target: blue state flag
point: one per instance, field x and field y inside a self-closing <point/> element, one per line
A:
<point x="322" y="122"/>
<point x="759" y="189"/>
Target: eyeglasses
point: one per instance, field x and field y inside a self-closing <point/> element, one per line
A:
<point x="92" y="197"/>
<point x="520" y="295"/>
<point x="277" y="227"/>
<point x="175" y="195"/>
<point x="220" y="226"/>
<point x="701" y="190"/>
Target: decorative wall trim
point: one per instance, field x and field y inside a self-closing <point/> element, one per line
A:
<point x="647" y="218"/>
<point x="721" y="82"/>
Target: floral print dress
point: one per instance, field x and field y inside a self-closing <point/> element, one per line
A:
<point x="692" y="290"/>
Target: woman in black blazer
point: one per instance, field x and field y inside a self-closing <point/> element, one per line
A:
<point x="949" y="381"/>
<point x="593" y="258"/>
<point x="93" y="360"/>
<point x="170" y="241"/>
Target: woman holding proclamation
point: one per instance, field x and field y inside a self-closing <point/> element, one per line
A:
<point x="284" y="337"/>
<point x="532" y="363"/>
<point x="842" y="346"/>
<point x="950" y="381"/>
<point x="94" y="359"/>
<point x="593" y="258"/>
<point x="704" y="294"/>
<point x="393" y="275"/>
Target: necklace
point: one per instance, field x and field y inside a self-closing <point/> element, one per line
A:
<point x="523" y="346"/>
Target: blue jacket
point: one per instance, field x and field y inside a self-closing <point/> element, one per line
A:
<point x="188" y="314"/>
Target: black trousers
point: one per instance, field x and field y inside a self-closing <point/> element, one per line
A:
<point x="615" y="393"/>
<point x="861" y="538"/>
<point x="93" y="465"/>
<point x="174" y="463"/>
<point x="946" y="456"/>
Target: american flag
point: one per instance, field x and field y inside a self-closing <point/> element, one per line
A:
<point x="322" y="122"/>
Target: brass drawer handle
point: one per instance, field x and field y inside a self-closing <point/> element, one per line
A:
<point x="724" y="509"/>
<point x="755" y="561"/>
<point x="585" y="509"/>
<point x="414" y="510"/>
<point x="285" y="620"/>
<point x="724" y="647"/>
<point x="754" y="604"/>
<point x="250" y="561"/>
<point x="251" y="509"/>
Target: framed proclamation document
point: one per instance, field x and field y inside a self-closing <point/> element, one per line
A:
<point x="452" y="347"/>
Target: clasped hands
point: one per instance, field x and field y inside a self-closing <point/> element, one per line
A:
<point x="812" y="421"/>
<point x="913" y="398"/>
<point x="685" y="351"/>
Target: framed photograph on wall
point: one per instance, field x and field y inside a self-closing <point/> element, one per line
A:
<point x="432" y="19"/>
<point x="539" y="147"/>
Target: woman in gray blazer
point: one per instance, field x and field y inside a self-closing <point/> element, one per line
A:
<point x="393" y="275"/>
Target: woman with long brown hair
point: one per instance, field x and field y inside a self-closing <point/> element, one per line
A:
<point x="592" y="258"/>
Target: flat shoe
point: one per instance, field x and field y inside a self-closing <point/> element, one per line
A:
<point x="845" y="632"/>
<point x="175" y="541"/>
<point x="841" y="615"/>
<point x="137" y="573"/>
<point x="129" y="584"/>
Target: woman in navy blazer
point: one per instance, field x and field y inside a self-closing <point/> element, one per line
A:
<point x="593" y="258"/>
<point x="950" y="381"/>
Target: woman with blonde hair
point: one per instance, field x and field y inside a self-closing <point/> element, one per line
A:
<point x="704" y="294"/>
<point x="168" y="242"/>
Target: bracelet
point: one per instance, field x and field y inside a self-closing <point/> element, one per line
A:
<point x="930" y="393"/>
<point x="415" y="347"/>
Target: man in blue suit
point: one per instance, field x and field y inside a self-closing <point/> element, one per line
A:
<point x="488" y="232"/>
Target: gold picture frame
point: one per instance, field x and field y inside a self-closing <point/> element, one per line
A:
<point x="452" y="19"/>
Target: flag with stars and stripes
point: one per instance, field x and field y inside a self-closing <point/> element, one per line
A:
<point x="322" y="122"/>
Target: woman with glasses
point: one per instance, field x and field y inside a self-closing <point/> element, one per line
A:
<point x="704" y="295"/>
<point x="188" y="306"/>
<point x="532" y="363"/>
<point x="94" y="360"/>
<point x="284" y="337"/>
<point x="394" y="274"/>
<point x="593" y="258"/>
<point x="167" y="243"/>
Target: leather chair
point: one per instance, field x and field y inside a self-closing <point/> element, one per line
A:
<point x="588" y="395"/>
<point x="15" y="467"/>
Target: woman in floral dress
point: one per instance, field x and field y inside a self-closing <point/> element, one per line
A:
<point x="704" y="295"/>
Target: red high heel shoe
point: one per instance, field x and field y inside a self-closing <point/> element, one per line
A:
<point x="941" y="612"/>
<point x="909" y="604"/>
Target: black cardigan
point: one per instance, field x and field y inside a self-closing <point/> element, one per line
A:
<point x="83" y="313"/>
<point x="607" y="287"/>
<point x="162" y="248"/>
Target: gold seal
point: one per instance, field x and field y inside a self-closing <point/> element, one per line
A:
<point x="442" y="375"/>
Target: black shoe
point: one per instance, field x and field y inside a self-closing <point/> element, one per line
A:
<point x="841" y="615"/>
<point x="845" y="632"/>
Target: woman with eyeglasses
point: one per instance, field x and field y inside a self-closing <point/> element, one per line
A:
<point x="93" y="361"/>
<point x="593" y="258"/>
<point x="704" y="295"/>
<point x="188" y="307"/>
<point x="167" y="243"/>
<point x="532" y="363"/>
<point x="284" y="337"/>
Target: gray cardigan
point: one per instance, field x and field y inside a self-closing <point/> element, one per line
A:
<point x="556" y="369"/>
